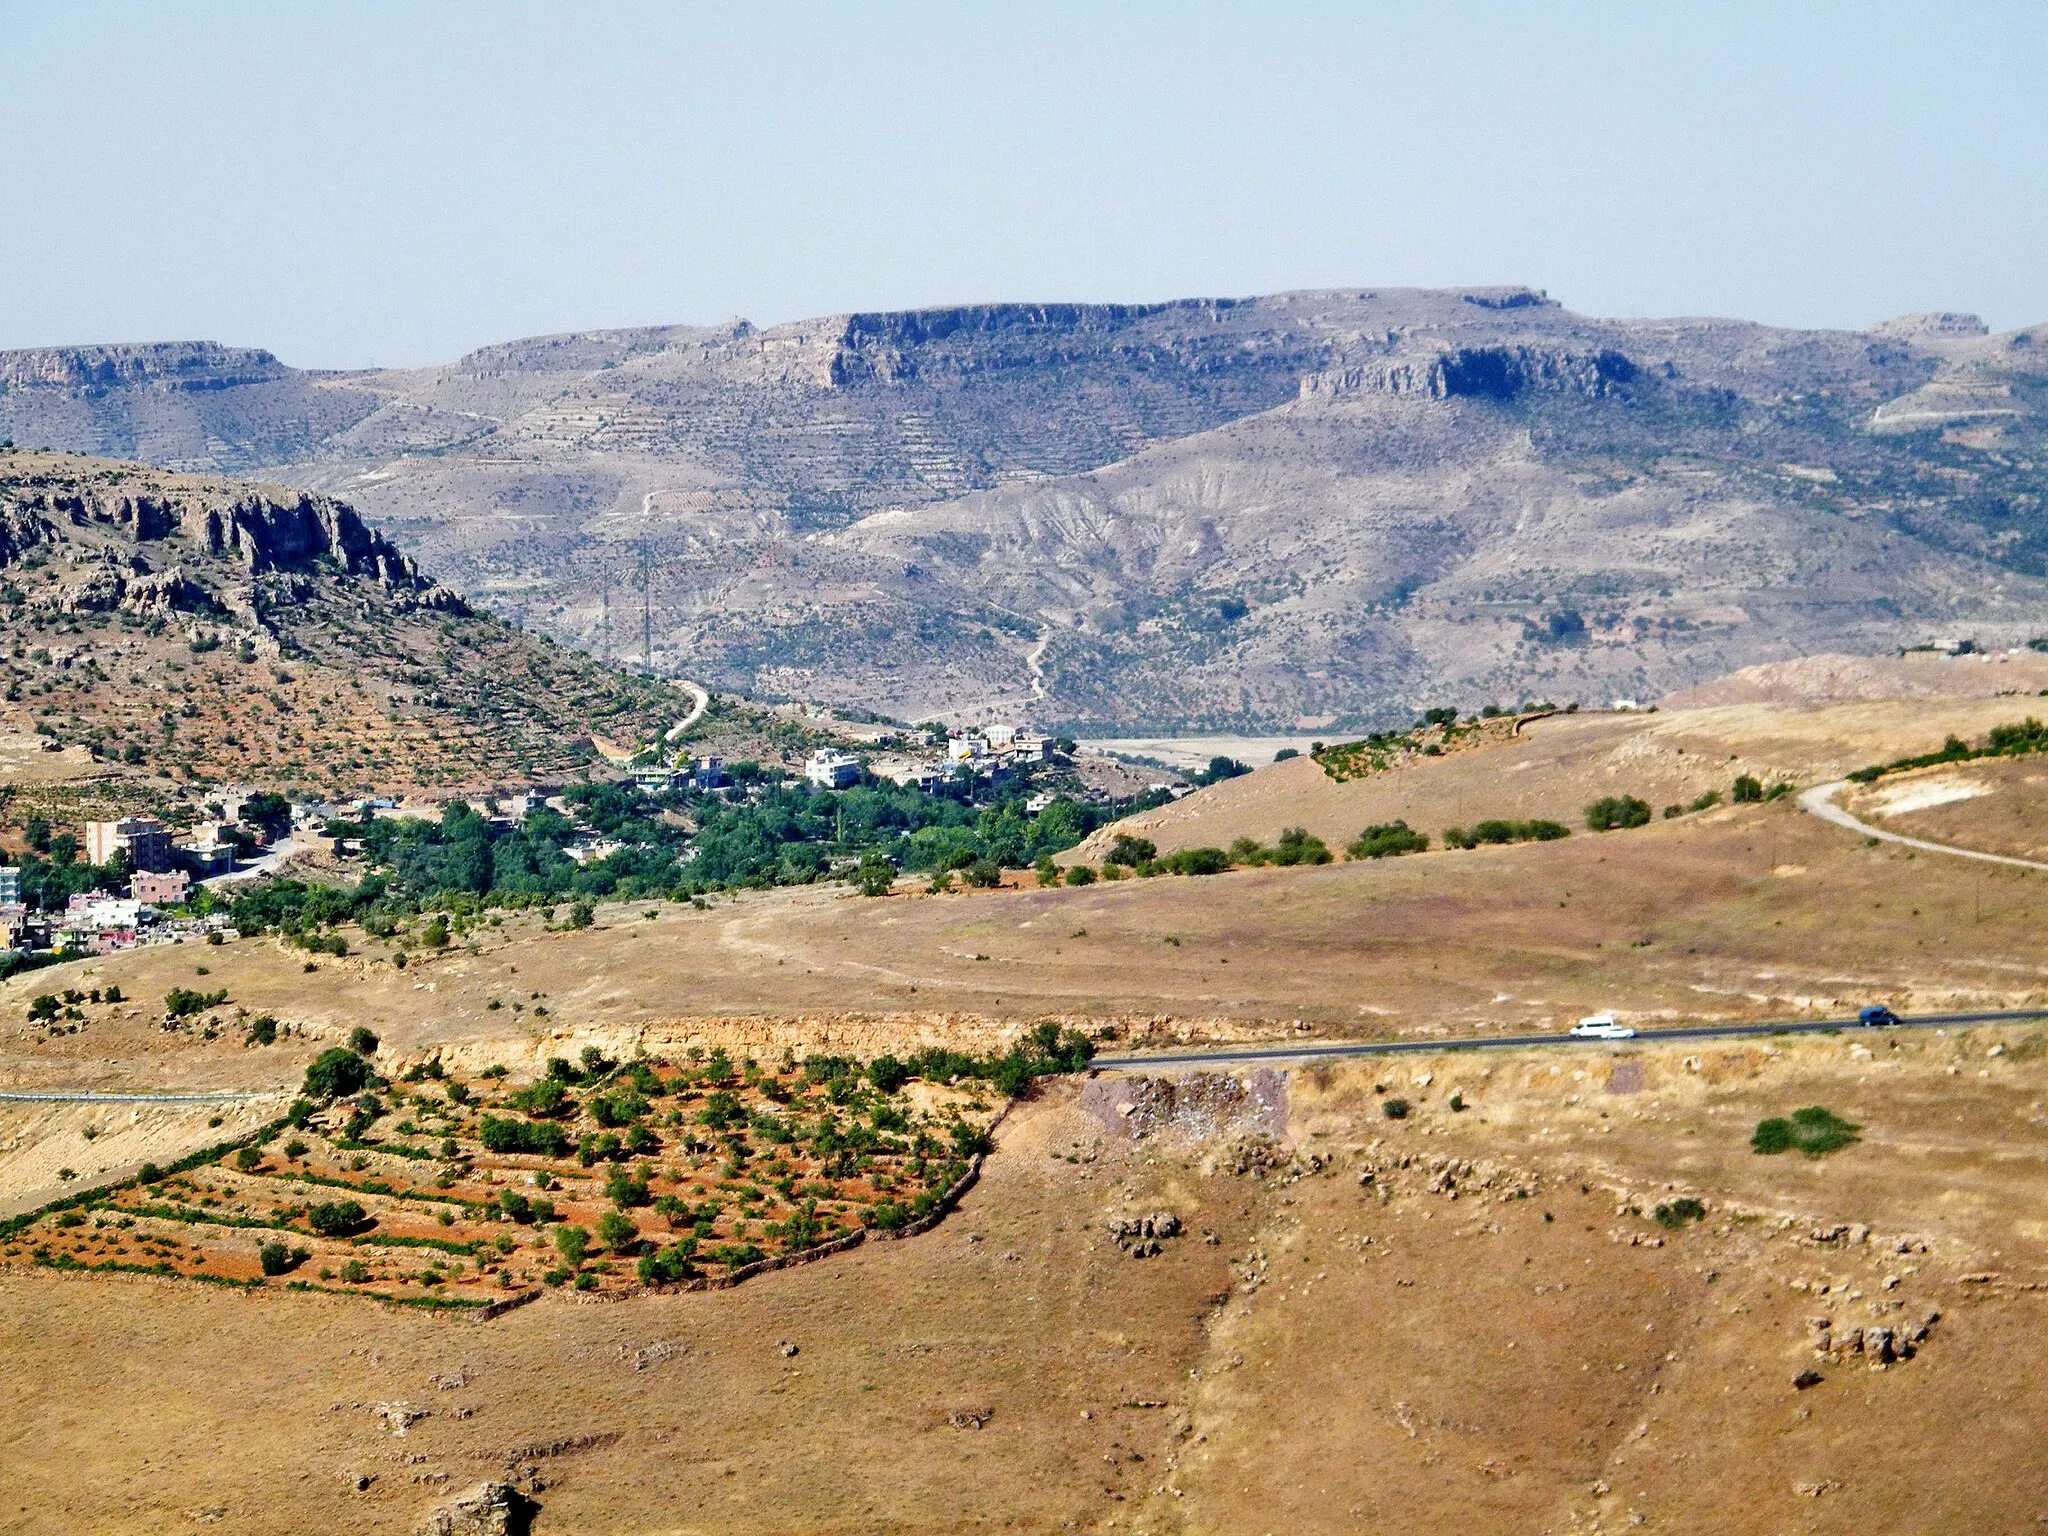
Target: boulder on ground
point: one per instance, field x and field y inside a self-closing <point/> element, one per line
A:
<point x="488" y="1509"/>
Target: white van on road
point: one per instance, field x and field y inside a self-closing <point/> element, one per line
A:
<point x="1601" y="1026"/>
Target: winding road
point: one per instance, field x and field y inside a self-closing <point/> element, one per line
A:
<point x="1820" y="802"/>
<point x="675" y="732"/>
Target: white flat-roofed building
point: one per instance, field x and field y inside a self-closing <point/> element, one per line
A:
<point x="829" y="769"/>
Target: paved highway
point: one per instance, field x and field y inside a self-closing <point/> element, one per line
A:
<point x="86" y="1096"/>
<point x="1311" y="1050"/>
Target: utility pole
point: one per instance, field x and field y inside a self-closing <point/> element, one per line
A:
<point x="646" y="618"/>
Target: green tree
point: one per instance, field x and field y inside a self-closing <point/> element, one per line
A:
<point x="335" y="1073"/>
<point x="362" y="1042"/>
<point x="337" y="1218"/>
<point x="572" y="1243"/>
<point x="616" y="1231"/>
<point x="1131" y="851"/>
<point x="1747" y="791"/>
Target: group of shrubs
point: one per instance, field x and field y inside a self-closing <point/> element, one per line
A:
<point x="1482" y="833"/>
<point x="2017" y="740"/>
<point x="1139" y="856"/>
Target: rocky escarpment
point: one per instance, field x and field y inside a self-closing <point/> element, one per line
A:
<point x="116" y="531"/>
<point x="900" y="346"/>
<point x="1487" y="373"/>
<point x="174" y="365"/>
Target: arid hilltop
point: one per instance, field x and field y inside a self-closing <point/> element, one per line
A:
<point x="1318" y="507"/>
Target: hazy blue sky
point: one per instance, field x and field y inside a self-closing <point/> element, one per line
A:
<point x="364" y="183"/>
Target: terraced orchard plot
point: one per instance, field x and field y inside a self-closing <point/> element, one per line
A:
<point x="599" y="1175"/>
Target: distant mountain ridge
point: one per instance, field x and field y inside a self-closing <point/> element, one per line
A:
<point x="1216" y="513"/>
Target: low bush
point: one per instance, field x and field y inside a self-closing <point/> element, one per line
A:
<point x="335" y="1073"/>
<point x="1497" y="831"/>
<point x="1615" y="812"/>
<point x="887" y="1074"/>
<point x="1080" y="874"/>
<point x="668" y="1264"/>
<point x="1812" y="1130"/>
<point x="1387" y="839"/>
<point x="1131" y="851"/>
<point x="1394" y="1109"/>
<point x="1198" y="861"/>
<point x="1298" y="845"/>
<point x="1676" y="1213"/>
<point x="183" y="1002"/>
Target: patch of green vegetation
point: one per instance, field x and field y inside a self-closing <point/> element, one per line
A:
<point x="1812" y="1130"/>
<point x="1673" y="1214"/>
<point x="1388" y="839"/>
<point x="2017" y="740"/>
<point x="1613" y="812"/>
<point x="1498" y="831"/>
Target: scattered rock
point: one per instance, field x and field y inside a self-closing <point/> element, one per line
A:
<point x="489" y="1509"/>
<point x="1807" y="1379"/>
<point x="398" y="1417"/>
<point x="789" y="1350"/>
<point x="1139" y="1236"/>
<point x="970" y="1418"/>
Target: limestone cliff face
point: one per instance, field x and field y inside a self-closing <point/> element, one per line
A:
<point x="154" y="551"/>
<point x="268" y="534"/>
<point x="1488" y="373"/>
<point x="178" y="365"/>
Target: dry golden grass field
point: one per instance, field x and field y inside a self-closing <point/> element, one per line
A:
<point x="1465" y="1318"/>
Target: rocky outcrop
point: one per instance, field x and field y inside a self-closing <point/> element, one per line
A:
<point x="178" y="365"/>
<point x="295" y="535"/>
<point x="1488" y="373"/>
<point x="488" y="1509"/>
<point x="21" y="529"/>
<point x="137" y="590"/>
<point x="894" y="348"/>
<point x="1140" y="1236"/>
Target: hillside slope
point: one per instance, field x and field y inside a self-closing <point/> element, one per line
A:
<point x="210" y="630"/>
<point x="1326" y="507"/>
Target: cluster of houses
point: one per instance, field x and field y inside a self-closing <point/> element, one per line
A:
<point x="162" y="872"/>
<point x="98" y="922"/>
<point x="990" y="754"/>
